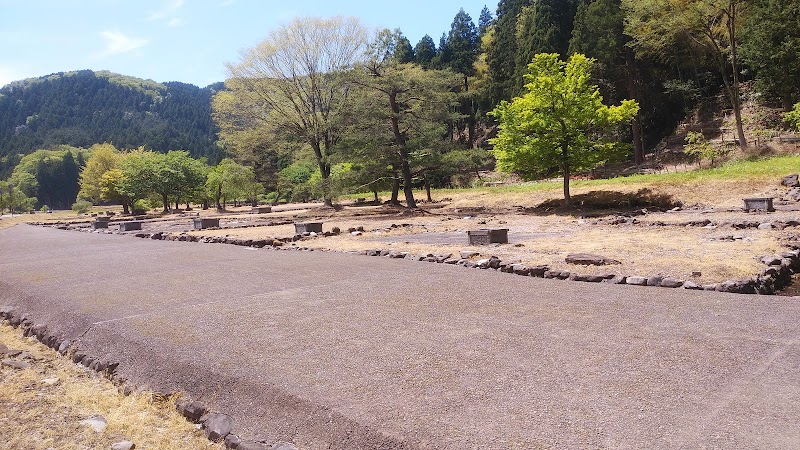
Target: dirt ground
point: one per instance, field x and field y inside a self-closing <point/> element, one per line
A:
<point x="710" y="253"/>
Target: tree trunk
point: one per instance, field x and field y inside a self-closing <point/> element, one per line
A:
<point x="324" y="171"/>
<point x="735" y="65"/>
<point x="165" y="201"/>
<point x="636" y="125"/>
<point x="125" y="209"/>
<point x="400" y="140"/>
<point x="395" y="188"/>
<point x="408" y="189"/>
<point x="376" y="197"/>
<point x="428" y="189"/>
<point x="565" y="167"/>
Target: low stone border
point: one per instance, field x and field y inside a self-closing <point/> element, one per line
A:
<point x="737" y="224"/>
<point x="216" y="426"/>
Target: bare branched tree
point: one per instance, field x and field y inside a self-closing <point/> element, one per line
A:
<point x="299" y="77"/>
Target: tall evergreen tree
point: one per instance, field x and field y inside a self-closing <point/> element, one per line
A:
<point x="404" y="53"/>
<point x="68" y="180"/>
<point x="462" y="45"/>
<point x="771" y="46"/>
<point x="544" y="27"/>
<point x="598" y="32"/>
<point x="425" y="51"/>
<point x="484" y="21"/>
<point x="501" y="54"/>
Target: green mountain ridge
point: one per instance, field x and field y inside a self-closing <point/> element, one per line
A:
<point x="81" y="108"/>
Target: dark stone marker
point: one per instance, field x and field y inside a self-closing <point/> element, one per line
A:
<point x="130" y="226"/>
<point x="200" y="224"/>
<point x="261" y="209"/>
<point x="308" y="227"/>
<point x="758" y="204"/>
<point x="97" y="224"/>
<point x="488" y="236"/>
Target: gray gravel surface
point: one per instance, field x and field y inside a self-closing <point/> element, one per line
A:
<point x="343" y="351"/>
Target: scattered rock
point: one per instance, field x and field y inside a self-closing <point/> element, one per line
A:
<point x="217" y="426"/>
<point x="766" y="226"/>
<point x="655" y="280"/>
<point x="793" y="194"/>
<point x="637" y="281"/>
<point x="616" y="279"/>
<point x="192" y="411"/>
<point x="586" y="278"/>
<point x="771" y="260"/>
<point x="232" y="441"/>
<point x="538" y="271"/>
<point x="692" y="286"/>
<point x="467" y="254"/>
<point x="588" y="259"/>
<point x="96" y="423"/>
<point x="283" y="446"/>
<point x="62" y="349"/>
<point x="792" y="180"/>
<point x="521" y="269"/>
<point x="10" y="352"/>
<point x="51" y="381"/>
<point x="15" y="364"/>
<point x="671" y="283"/>
<point x="123" y="445"/>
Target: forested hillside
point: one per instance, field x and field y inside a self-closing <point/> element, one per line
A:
<point x="84" y="108"/>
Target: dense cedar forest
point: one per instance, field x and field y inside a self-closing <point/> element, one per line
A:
<point x="395" y="115"/>
<point x="83" y="108"/>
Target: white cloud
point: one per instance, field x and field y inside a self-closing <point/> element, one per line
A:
<point x="175" y="22"/>
<point x="117" y="43"/>
<point x="227" y="3"/>
<point x="168" y="10"/>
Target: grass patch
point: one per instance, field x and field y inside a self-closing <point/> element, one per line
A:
<point x="696" y="186"/>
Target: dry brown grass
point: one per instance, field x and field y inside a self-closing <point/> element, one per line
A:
<point x="35" y="415"/>
<point x="674" y="251"/>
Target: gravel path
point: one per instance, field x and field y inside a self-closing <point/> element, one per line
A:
<point x="346" y="351"/>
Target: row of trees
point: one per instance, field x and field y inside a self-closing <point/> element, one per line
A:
<point x="164" y="178"/>
<point x="350" y="100"/>
<point x="45" y="178"/>
<point x="325" y="90"/>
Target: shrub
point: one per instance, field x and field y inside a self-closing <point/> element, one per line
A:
<point x="81" y="207"/>
<point x="793" y="117"/>
<point x="699" y="148"/>
<point x="139" y="207"/>
<point x="44" y="208"/>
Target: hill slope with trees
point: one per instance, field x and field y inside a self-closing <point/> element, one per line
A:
<point x="83" y="108"/>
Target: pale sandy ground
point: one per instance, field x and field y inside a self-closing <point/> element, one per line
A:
<point x="717" y="253"/>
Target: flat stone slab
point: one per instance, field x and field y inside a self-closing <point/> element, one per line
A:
<point x="346" y="351"/>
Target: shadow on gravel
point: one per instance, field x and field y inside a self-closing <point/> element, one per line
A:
<point x="599" y="203"/>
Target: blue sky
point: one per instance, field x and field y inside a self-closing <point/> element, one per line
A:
<point x="181" y="40"/>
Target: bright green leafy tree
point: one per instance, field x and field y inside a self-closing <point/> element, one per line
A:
<point x="230" y="180"/>
<point x="771" y="46"/>
<point x="560" y="122"/>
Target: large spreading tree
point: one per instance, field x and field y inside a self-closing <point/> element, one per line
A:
<point x="294" y="81"/>
<point x="709" y="26"/>
<point x="559" y="123"/>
